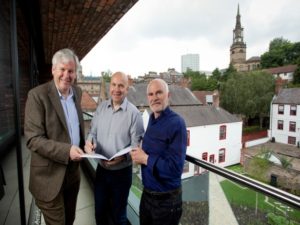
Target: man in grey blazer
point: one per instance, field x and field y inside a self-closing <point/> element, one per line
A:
<point x="55" y="136"/>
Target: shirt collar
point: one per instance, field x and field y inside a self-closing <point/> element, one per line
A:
<point x="69" y="96"/>
<point x="123" y="106"/>
<point x="164" y="113"/>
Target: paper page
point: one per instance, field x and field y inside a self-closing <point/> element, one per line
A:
<point x="99" y="156"/>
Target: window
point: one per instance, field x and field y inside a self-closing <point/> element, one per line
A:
<point x="222" y="132"/>
<point x="280" y="125"/>
<point x="212" y="158"/>
<point x="204" y="156"/>
<point x="222" y="155"/>
<point x="292" y="126"/>
<point x="280" y="109"/>
<point x="293" y="110"/>
<point x="188" y="138"/>
<point x="291" y="140"/>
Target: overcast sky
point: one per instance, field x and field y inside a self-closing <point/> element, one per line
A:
<point x="154" y="34"/>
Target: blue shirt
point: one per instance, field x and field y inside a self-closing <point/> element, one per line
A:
<point x="71" y="116"/>
<point x="165" y="143"/>
<point x="113" y="130"/>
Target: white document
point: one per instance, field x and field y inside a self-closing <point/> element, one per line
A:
<point x="99" y="156"/>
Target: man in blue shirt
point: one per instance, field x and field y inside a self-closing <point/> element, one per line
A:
<point x="117" y="124"/>
<point x="162" y="159"/>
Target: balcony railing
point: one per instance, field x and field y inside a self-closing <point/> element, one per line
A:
<point x="220" y="196"/>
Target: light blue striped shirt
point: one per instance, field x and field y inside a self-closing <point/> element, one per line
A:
<point x="71" y="116"/>
<point x="115" y="130"/>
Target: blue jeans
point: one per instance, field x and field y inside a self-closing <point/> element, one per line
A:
<point x="161" y="209"/>
<point x="111" y="194"/>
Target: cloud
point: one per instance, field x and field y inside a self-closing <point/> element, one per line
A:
<point x="154" y="34"/>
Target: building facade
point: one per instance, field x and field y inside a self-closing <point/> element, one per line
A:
<point x="190" y="62"/>
<point x="285" y="117"/>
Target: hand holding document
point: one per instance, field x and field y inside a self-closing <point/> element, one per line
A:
<point x="99" y="156"/>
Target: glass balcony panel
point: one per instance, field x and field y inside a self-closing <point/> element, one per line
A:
<point x="209" y="198"/>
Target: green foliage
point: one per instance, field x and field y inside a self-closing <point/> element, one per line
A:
<point x="248" y="94"/>
<point x="231" y="71"/>
<point x="238" y="168"/>
<point x="258" y="167"/>
<point x="278" y="220"/>
<point x="281" y="52"/>
<point x="216" y="74"/>
<point x="200" y="82"/>
<point x="285" y="162"/>
<point x="296" y="76"/>
<point x="251" y="129"/>
<point x="107" y="76"/>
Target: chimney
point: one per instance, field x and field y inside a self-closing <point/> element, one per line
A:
<point x="216" y="98"/>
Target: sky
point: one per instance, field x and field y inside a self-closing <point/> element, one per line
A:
<point x="154" y="34"/>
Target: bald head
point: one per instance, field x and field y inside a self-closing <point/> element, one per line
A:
<point x="118" y="87"/>
<point x="158" y="96"/>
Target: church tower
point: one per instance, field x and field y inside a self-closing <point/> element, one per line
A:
<point x="238" y="47"/>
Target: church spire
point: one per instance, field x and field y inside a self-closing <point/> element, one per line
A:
<point x="238" y="30"/>
<point x="238" y="18"/>
<point x="238" y="47"/>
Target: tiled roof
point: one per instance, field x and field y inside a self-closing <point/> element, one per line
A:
<point x="87" y="102"/>
<point x="288" y="96"/>
<point x="204" y="115"/>
<point x="178" y="96"/>
<point x="281" y="69"/>
<point x="201" y="95"/>
<point x="253" y="59"/>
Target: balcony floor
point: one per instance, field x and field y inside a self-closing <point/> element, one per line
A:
<point x="9" y="204"/>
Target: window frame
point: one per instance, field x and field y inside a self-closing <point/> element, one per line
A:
<point x="222" y="132"/>
<point x="293" y="110"/>
<point x="222" y="157"/>
<point x="292" y="126"/>
<point x="280" y="124"/>
<point x="280" y="112"/>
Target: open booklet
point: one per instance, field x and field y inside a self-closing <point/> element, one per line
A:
<point x="99" y="156"/>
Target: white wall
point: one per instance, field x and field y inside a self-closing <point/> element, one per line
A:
<point x="281" y="136"/>
<point x="206" y="139"/>
<point x="257" y="142"/>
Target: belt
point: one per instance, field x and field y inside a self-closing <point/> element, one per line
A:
<point x="162" y="195"/>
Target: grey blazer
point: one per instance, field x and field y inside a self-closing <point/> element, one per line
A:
<point x="48" y="139"/>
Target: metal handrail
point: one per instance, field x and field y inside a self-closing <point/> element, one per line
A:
<point x="273" y="192"/>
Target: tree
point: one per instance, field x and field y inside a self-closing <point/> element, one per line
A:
<point x="296" y="77"/>
<point x="248" y="94"/>
<point x="216" y="74"/>
<point x="200" y="82"/>
<point x="281" y="52"/>
<point x="107" y="76"/>
<point x="228" y="73"/>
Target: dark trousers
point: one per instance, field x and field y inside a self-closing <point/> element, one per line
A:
<point x="61" y="210"/>
<point x="111" y="194"/>
<point x="161" y="208"/>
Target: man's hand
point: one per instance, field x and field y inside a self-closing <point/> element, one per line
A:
<point x="89" y="147"/>
<point x="75" y="153"/>
<point x="113" y="162"/>
<point x="139" y="156"/>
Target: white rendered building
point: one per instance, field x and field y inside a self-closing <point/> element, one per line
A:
<point x="285" y="117"/>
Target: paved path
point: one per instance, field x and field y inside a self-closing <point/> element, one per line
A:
<point x="219" y="208"/>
